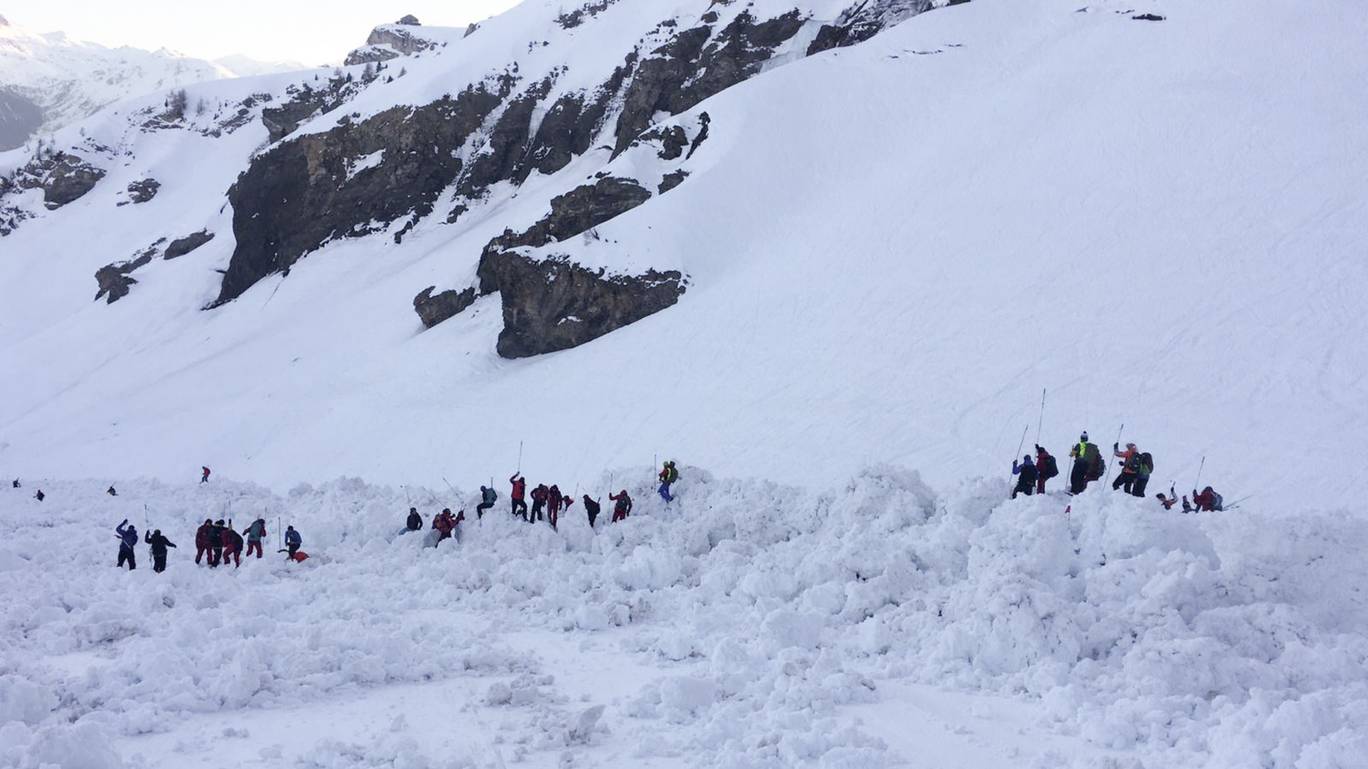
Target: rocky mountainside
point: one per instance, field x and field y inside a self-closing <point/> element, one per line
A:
<point x="48" y="81"/>
<point x="787" y="238"/>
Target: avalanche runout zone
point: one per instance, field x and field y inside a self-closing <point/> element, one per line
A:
<point x="740" y="624"/>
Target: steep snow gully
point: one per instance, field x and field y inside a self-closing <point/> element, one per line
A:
<point x="745" y="625"/>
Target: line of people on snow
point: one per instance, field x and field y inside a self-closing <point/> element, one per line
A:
<point x="217" y="543"/>
<point x="1089" y="466"/>
<point x="548" y="503"/>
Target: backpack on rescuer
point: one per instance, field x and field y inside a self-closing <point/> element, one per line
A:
<point x="1096" y="465"/>
<point x="1051" y="468"/>
<point x="1146" y="464"/>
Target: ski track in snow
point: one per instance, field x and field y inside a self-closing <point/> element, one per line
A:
<point x="747" y="625"/>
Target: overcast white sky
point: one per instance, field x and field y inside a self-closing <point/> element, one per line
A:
<point x="307" y="31"/>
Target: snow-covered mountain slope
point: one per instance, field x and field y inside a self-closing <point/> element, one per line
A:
<point x="750" y="625"/>
<point x="876" y="252"/>
<point x="59" y="81"/>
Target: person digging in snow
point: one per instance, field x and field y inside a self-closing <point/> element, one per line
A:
<point x="554" y="500"/>
<point x="216" y="543"/>
<point x="1208" y="500"/>
<point x="1026" y="473"/>
<point x="16" y="483"/>
<point x="232" y="545"/>
<point x="539" y="495"/>
<point x="1144" y="467"/>
<point x="159" y="545"/>
<point x="487" y="499"/>
<point x="202" y="546"/>
<point x="591" y="508"/>
<point x="292" y="544"/>
<point x="519" y="495"/>
<point x="111" y="492"/>
<point x="415" y="521"/>
<point x="40" y="496"/>
<point x="255" y="533"/>
<point x="128" y="539"/>
<point x="623" y="506"/>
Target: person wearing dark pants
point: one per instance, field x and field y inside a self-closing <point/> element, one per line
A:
<point x="487" y="498"/>
<point x="128" y="539"/>
<point x="519" y="495"/>
<point x="1026" y="476"/>
<point x="159" y="545"/>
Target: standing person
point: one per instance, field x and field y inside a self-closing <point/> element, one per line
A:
<point x="216" y="544"/>
<point x="128" y="539"/>
<point x="554" y="500"/>
<point x="591" y="508"/>
<point x="538" y="502"/>
<point x="292" y="542"/>
<point x="1027" y="474"/>
<point x="519" y="495"/>
<point x="1046" y="468"/>
<point x="202" y="546"/>
<point x="415" y="521"/>
<point x="232" y="545"/>
<point x="668" y="475"/>
<point x="39" y="496"/>
<point x="204" y="474"/>
<point x="623" y="506"/>
<point x="1130" y="466"/>
<point x="255" y="533"/>
<point x="16" y="483"/>
<point x="159" y="545"/>
<point x="487" y="499"/>
<point x="1085" y="456"/>
<point x="1144" y="468"/>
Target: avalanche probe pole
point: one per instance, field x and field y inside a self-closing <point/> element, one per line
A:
<point x="1196" y="483"/>
<point x="520" y="443"/>
<point x="1118" y="442"/>
<point x="1021" y="443"/>
<point x="1041" y="423"/>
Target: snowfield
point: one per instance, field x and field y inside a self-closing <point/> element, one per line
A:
<point x="892" y="249"/>
<point x="747" y="625"/>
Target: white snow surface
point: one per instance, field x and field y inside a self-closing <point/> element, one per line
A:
<point x="748" y="624"/>
<point x="891" y="249"/>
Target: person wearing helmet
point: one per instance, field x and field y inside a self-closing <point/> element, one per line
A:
<point x="1085" y="456"/>
<point x="1130" y="467"/>
<point x="668" y="475"/>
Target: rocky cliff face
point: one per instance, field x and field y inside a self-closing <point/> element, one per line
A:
<point x="389" y="170"/>
<point x="551" y="304"/>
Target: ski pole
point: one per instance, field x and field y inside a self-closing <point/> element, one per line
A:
<point x="1041" y="423"/>
<point x="1118" y="442"/>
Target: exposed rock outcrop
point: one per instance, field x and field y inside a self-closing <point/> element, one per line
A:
<point x="574" y="212"/>
<point x="304" y="192"/>
<point x="68" y="178"/>
<point x="142" y="191"/>
<point x="390" y="41"/>
<point x="697" y="64"/>
<point x="115" y="279"/>
<point x="182" y="246"/>
<point x="435" y="308"/>
<point x="552" y="305"/>
<point x="867" y="18"/>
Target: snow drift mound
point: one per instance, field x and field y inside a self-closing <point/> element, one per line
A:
<point x="1169" y="640"/>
